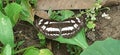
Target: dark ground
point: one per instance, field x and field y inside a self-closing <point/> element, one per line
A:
<point x="105" y="28"/>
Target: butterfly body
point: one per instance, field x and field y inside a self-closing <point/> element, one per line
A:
<point x="52" y="29"/>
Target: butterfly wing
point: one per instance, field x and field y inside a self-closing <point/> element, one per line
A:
<point x="72" y="27"/>
<point x="51" y="31"/>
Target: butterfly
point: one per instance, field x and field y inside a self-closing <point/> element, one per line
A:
<point x="53" y="29"/>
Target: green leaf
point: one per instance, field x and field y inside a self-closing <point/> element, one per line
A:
<point x="42" y="39"/>
<point x="1" y="5"/>
<point x="91" y="25"/>
<point x="6" y="32"/>
<point x="60" y="15"/>
<point x="27" y="12"/>
<point x="7" y="50"/>
<point x="13" y="10"/>
<point x="18" y="1"/>
<point x="93" y="17"/>
<point x="33" y="2"/>
<point x="45" y="52"/>
<point x="31" y="51"/>
<point x="107" y="47"/>
<point x="41" y="36"/>
<point x="19" y="43"/>
<point x="54" y="15"/>
<point x="78" y="40"/>
<point x="66" y="14"/>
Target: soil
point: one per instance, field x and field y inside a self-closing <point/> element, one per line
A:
<point x="104" y="28"/>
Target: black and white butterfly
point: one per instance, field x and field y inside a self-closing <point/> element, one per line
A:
<point x="52" y="29"/>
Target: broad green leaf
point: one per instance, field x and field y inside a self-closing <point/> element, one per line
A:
<point x="7" y="50"/>
<point x="27" y="12"/>
<point x="78" y="40"/>
<point x="6" y="32"/>
<point x="31" y="51"/>
<point x="45" y="52"/>
<point x="13" y="10"/>
<point x="107" y="47"/>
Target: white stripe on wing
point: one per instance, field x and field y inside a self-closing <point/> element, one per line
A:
<point x="40" y="22"/>
<point x="78" y="19"/>
<point x="67" y="28"/>
<point x="52" y="29"/>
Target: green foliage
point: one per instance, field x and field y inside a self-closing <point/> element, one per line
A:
<point x="7" y="50"/>
<point x="19" y="44"/>
<point x="90" y="25"/>
<point x="60" y="15"/>
<point x="65" y="14"/>
<point x="36" y="51"/>
<point x="9" y="15"/>
<point x="107" y="47"/>
<point x="34" y="2"/>
<point x="42" y="39"/>
<point x="92" y="13"/>
<point x="74" y="50"/>
<point x="13" y="10"/>
<point x="1" y="5"/>
<point x="31" y="51"/>
<point x="6" y="32"/>
<point x="45" y="52"/>
<point x="27" y="12"/>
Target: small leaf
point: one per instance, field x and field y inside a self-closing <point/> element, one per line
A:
<point x="78" y="40"/>
<point x="27" y="12"/>
<point x="107" y="47"/>
<point x="93" y="17"/>
<point x="91" y="25"/>
<point x="42" y="39"/>
<point x="7" y="50"/>
<point x="19" y="43"/>
<point x="31" y="51"/>
<point x="41" y="36"/>
<point x="45" y="52"/>
<point x="12" y="10"/>
<point x="6" y="32"/>
<point x="60" y="15"/>
<point x="33" y="2"/>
